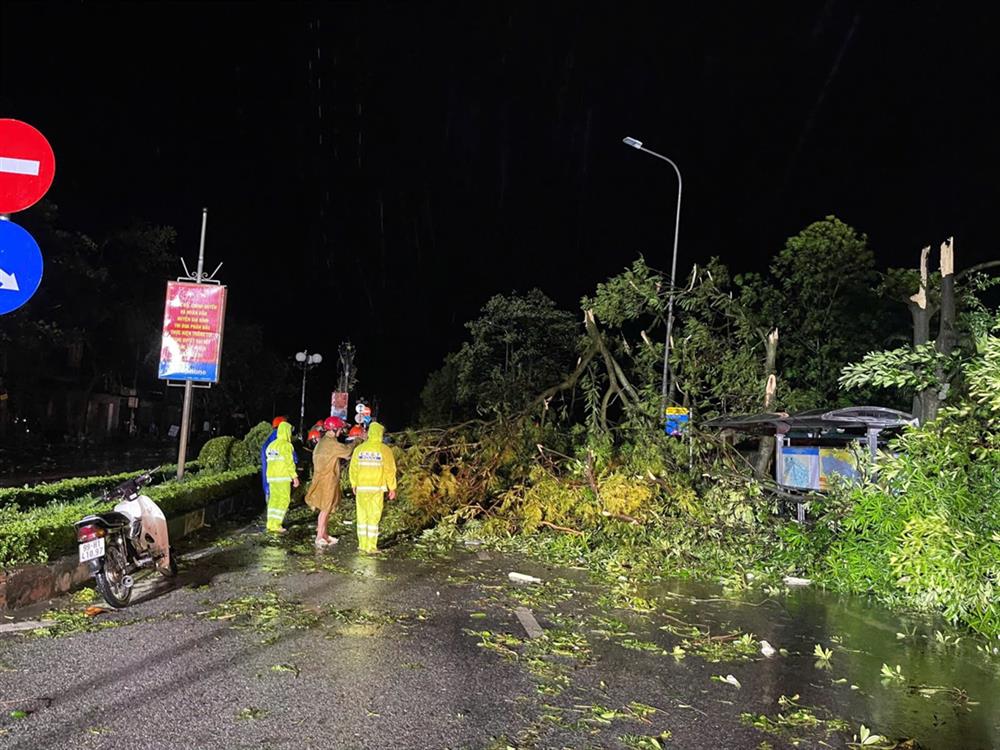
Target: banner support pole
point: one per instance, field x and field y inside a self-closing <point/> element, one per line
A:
<point x="188" y="390"/>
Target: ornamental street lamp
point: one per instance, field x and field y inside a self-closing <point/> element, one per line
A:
<point x="305" y="362"/>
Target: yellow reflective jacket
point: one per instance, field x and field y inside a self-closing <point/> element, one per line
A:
<point x="280" y="457"/>
<point x="373" y="467"/>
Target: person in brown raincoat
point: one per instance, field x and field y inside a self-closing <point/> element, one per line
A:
<point x="324" y="491"/>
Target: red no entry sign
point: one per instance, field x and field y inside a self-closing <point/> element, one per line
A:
<point x="27" y="166"/>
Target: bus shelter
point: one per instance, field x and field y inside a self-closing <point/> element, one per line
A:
<point x="811" y="447"/>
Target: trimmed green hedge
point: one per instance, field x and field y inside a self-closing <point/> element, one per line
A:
<point x="227" y="452"/>
<point x="78" y="488"/>
<point x="37" y="534"/>
<point x="252" y="443"/>
<point x="217" y="453"/>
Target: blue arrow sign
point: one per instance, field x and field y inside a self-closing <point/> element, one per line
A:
<point x="20" y="266"/>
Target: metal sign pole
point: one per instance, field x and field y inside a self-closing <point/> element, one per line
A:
<point x="188" y="388"/>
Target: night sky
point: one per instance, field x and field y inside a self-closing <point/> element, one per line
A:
<point x="377" y="171"/>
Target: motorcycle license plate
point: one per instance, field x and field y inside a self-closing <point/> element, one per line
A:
<point x="92" y="549"/>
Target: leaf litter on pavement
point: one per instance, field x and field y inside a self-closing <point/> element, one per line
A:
<point x="574" y="615"/>
<point x="269" y="615"/>
<point x="554" y="659"/>
<point x="60" y="623"/>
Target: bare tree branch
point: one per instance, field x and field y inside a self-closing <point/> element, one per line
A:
<point x="565" y="529"/>
<point x="615" y="372"/>
<point x="976" y="268"/>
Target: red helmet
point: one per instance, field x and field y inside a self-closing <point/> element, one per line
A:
<point x="313" y="435"/>
<point x="334" y="423"/>
<point x="276" y="421"/>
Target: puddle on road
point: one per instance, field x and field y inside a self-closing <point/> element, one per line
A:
<point x="944" y="690"/>
<point x="902" y="676"/>
<point x="834" y="657"/>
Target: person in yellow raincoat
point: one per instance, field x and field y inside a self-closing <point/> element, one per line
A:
<point x="281" y="477"/>
<point x="372" y="472"/>
<point x="324" y="491"/>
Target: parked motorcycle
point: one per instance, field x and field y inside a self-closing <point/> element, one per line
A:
<point x="130" y="538"/>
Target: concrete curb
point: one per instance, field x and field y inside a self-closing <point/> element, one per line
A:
<point x="21" y="587"/>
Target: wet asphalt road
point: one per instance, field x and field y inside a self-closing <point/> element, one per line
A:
<point x="273" y="645"/>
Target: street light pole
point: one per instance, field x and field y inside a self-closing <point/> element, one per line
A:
<point x="305" y="360"/>
<point x="673" y="273"/>
<point x="302" y="407"/>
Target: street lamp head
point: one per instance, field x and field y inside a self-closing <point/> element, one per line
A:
<point x="632" y="142"/>
<point x="300" y="356"/>
<point x="315" y="358"/>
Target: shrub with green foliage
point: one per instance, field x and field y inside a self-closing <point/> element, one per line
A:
<point x="248" y="453"/>
<point x="217" y="453"/>
<point x="927" y="532"/>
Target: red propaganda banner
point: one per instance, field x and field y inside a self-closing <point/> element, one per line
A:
<point x="193" y="319"/>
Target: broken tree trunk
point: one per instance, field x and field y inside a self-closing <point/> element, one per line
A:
<point x="947" y="338"/>
<point x="765" y="450"/>
<point x="927" y="401"/>
<point x="921" y="313"/>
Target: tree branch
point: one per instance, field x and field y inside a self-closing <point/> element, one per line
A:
<point x="569" y="382"/>
<point x="978" y="267"/>
<point x="614" y="370"/>
<point x="606" y="401"/>
<point x="591" y="478"/>
<point x="565" y="529"/>
<point x="621" y="517"/>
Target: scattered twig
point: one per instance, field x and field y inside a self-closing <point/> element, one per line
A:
<point x="622" y="517"/>
<point x="565" y="529"/>
<point x="543" y="450"/>
<point x="453" y="446"/>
